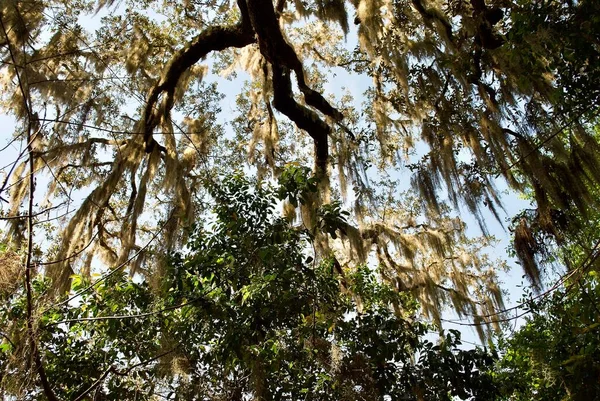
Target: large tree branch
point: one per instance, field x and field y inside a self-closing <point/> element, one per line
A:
<point x="214" y="38"/>
<point x="284" y="59"/>
<point x="303" y="117"/>
<point x="278" y="51"/>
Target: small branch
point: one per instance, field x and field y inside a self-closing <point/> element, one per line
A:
<point x="589" y="260"/>
<point x="122" y="317"/>
<point x="62" y="187"/>
<point x="95" y="384"/>
<point x="33" y="215"/>
<point x="115" y="371"/>
<point x="142" y="363"/>
<point x="55" y="217"/>
<point x="7" y="338"/>
<point x="69" y="53"/>
<point x="73" y="255"/>
<point x="14" y="164"/>
<point x="13" y="140"/>
<point x="94" y="127"/>
<point x="343" y="64"/>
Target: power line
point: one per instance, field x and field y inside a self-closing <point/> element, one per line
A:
<point x="591" y="257"/>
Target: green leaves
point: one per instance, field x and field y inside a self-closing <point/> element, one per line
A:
<point x="243" y="310"/>
<point x="332" y="218"/>
<point x="555" y="353"/>
<point x="296" y="184"/>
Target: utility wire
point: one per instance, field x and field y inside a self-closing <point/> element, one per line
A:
<point x="591" y="257"/>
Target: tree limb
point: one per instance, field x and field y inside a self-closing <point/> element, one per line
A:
<point x="303" y="117"/>
<point x="213" y="38"/>
<point x="281" y="55"/>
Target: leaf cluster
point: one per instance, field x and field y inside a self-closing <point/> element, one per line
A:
<point x="555" y="355"/>
<point x="243" y="312"/>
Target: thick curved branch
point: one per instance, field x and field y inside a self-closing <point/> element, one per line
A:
<point x="281" y="55"/>
<point x="303" y="117"/>
<point x="214" y="38"/>
<point x="279" y="52"/>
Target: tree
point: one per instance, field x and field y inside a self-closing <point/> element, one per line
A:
<point x="554" y="355"/>
<point x="244" y="312"/>
<point x="124" y="116"/>
<point x="122" y="120"/>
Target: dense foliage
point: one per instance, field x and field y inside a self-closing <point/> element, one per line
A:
<point x="407" y="111"/>
<point x="244" y="312"/>
<point x="555" y="355"/>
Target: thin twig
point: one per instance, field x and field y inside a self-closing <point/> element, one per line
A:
<point x="135" y="316"/>
<point x="14" y="139"/>
<point x="23" y="216"/>
<point x="591" y="257"/>
<point x="8" y="339"/>
<point x="115" y="371"/>
<point x="73" y="255"/>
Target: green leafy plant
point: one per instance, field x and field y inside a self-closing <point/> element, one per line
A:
<point x="555" y="354"/>
<point x="242" y="312"/>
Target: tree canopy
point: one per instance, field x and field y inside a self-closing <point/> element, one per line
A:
<point x="243" y="312"/>
<point x="124" y="144"/>
<point x="125" y="114"/>
<point x="554" y="356"/>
